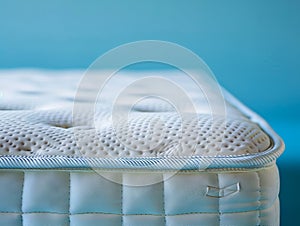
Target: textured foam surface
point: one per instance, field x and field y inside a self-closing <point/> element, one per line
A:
<point x="36" y="119"/>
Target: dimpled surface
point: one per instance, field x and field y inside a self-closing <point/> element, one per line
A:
<point x="37" y="118"/>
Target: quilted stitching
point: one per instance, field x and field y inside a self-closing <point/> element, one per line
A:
<point x="74" y="197"/>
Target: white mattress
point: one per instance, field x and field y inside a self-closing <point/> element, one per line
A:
<point x="56" y="169"/>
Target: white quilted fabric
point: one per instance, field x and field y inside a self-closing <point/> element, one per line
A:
<point x="83" y="197"/>
<point x="58" y="171"/>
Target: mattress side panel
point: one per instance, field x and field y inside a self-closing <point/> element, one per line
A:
<point x="84" y="197"/>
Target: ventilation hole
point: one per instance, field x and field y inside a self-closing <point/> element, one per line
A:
<point x="26" y="149"/>
<point x="226" y="145"/>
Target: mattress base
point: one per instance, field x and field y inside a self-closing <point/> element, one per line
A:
<point x="38" y="197"/>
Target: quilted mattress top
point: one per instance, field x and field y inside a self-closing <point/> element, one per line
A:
<point x="42" y="126"/>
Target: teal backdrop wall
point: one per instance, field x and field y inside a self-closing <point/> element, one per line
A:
<point x="253" y="47"/>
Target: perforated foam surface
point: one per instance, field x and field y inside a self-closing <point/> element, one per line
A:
<point x="36" y="118"/>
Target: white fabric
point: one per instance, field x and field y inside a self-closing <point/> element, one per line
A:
<point x="84" y="197"/>
<point x="36" y="118"/>
<point x="36" y="122"/>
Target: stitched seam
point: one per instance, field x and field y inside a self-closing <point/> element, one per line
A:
<point x="259" y="199"/>
<point x="69" y="199"/>
<point x="267" y="157"/>
<point x="179" y="172"/>
<point x="164" y="201"/>
<point x="122" y="201"/>
<point x="22" y="193"/>
<point x="158" y="215"/>
<point x="219" y="214"/>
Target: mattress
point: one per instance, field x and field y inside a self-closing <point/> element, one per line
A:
<point x="61" y="164"/>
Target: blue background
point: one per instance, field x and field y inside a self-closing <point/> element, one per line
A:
<point x="253" y="47"/>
